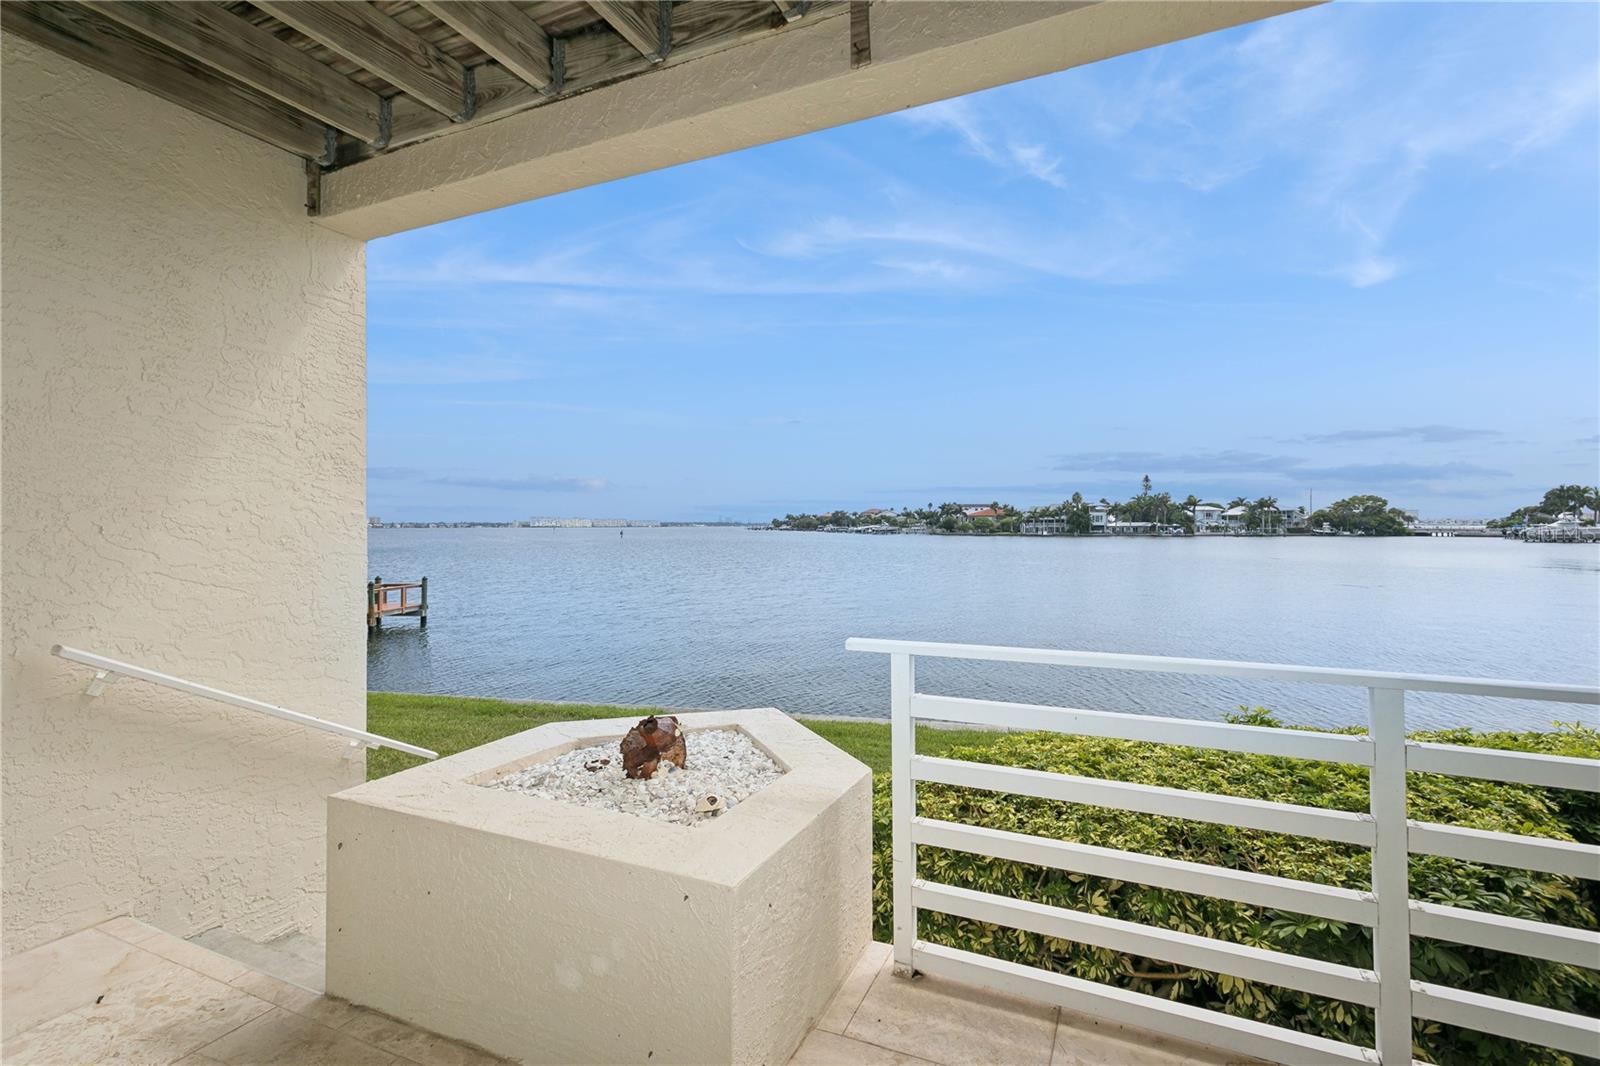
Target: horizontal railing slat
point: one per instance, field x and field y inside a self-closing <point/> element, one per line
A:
<point x="1340" y="826"/>
<point x="1497" y="932"/>
<point x="1505" y="849"/>
<point x="1252" y="964"/>
<point x="1532" y="1024"/>
<point x="1224" y="736"/>
<point x="1517" y="767"/>
<point x="1322" y="675"/>
<point x="1136" y="1009"/>
<point x="1241" y="886"/>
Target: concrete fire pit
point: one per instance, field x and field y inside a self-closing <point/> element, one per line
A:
<point x="552" y="932"/>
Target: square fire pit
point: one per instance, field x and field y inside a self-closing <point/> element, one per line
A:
<point x="547" y="931"/>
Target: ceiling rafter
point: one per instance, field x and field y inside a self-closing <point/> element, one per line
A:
<point x="254" y="56"/>
<point x="645" y="24"/>
<point x="77" y="33"/>
<point x="516" y="42"/>
<point x="339" y="81"/>
<point x="363" y="34"/>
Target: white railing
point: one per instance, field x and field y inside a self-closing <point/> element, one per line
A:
<point x="108" y="670"/>
<point x="1387" y="909"/>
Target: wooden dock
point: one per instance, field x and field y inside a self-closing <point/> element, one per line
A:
<point x="396" y="599"/>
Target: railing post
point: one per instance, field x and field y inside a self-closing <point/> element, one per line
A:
<point x="1391" y="936"/>
<point x="903" y="796"/>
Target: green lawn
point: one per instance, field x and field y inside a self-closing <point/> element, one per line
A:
<point x="448" y="724"/>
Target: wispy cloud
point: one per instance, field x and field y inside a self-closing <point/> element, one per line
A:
<point x="1420" y="434"/>
<point x="1313" y="99"/>
<point x="393" y="473"/>
<point x="1292" y="468"/>
<point x="530" y="483"/>
<point x="981" y="136"/>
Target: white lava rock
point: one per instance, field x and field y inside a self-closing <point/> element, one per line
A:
<point x="719" y="763"/>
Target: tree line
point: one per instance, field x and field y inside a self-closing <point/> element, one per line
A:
<point x="1370" y="515"/>
<point x="1366" y="515"/>
<point x="1563" y="499"/>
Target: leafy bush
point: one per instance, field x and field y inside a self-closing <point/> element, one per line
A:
<point x="1434" y="798"/>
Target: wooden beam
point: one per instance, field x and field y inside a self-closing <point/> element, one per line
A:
<point x="792" y="9"/>
<point x="363" y="34"/>
<point x="645" y="24"/>
<point x="593" y="59"/>
<point x="860" y="35"/>
<point x="515" y="41"/>
<point x="86" y="38"/>
<point x="254" y="56"/>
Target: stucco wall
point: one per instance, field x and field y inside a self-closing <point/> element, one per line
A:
<point x="184" y="452"/>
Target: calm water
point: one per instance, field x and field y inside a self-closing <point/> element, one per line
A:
<point x="737" y="618"/>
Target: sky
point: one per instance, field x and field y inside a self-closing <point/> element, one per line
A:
<point x="1351" y="249"/>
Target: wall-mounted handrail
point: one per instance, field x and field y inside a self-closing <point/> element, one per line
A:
<point x="1388" y="909"/>
<point x="108" y="670"/>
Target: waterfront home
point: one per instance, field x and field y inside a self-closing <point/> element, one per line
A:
<point x="1207" y="517"/>
<point x="188" y="191"/>
<point x="1235" y="518"/>
<point x="981" y="512"/>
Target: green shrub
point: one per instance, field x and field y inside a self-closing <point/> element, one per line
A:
<point x="1434" y="798"/>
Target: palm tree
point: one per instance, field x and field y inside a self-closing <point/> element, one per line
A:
<point x="1146" y="483"/>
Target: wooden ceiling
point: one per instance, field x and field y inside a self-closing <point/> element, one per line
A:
<point x="338" y="81"/>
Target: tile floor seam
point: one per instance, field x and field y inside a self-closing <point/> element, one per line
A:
<point x="309" y="1021"/>
<point x="260" y="1014"/>
<point x="857" y="1008"/>
<point x="892" y="1050"/>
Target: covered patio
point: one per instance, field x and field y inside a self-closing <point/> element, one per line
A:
<point x="125" y="990"/>
<point x="188" y="190"/>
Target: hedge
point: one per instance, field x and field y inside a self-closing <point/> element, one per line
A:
<point x="1556" y="814"/>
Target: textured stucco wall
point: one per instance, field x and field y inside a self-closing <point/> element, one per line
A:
<point x="184" y="442"/>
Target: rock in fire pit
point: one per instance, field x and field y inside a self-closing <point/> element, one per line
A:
<point x="720" y="769"/>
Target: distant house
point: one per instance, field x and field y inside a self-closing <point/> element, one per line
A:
<point x="874" y="512"/>
<point x="1234" y="517"/>
<point x="1207" y="518"/>
<point x="981" y="512"/>
<point x="1099" y="513"/>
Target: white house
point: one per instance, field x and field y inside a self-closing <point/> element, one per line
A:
<point x="1207" y="517"/>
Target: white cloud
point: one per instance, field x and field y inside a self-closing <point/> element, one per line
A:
<point x="979" y="132"/>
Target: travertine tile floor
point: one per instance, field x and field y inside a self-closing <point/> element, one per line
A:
<point x="878" y="1019"/>
<point x="126" y="992"/>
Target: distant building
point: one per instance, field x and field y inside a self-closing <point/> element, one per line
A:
<point x="373" y="521"/>
<point x="981" y="512"/>
<point x="1208" y="518"/>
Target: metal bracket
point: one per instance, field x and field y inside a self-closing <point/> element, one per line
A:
<point x="469" y="96"/>
<point x="102" y="680"/>
<point x="385" y="123"/>
<point x="330" y="147"/>
<point x="663" y="30"/>
<point x="354" y="748"/>
<point x="558" y="66"/>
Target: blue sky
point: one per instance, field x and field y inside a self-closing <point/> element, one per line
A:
<point x="1350" y="249"/>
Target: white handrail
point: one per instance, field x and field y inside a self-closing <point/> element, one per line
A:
<point x="108" y="670"/>
<point x="1387" y="909"/>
